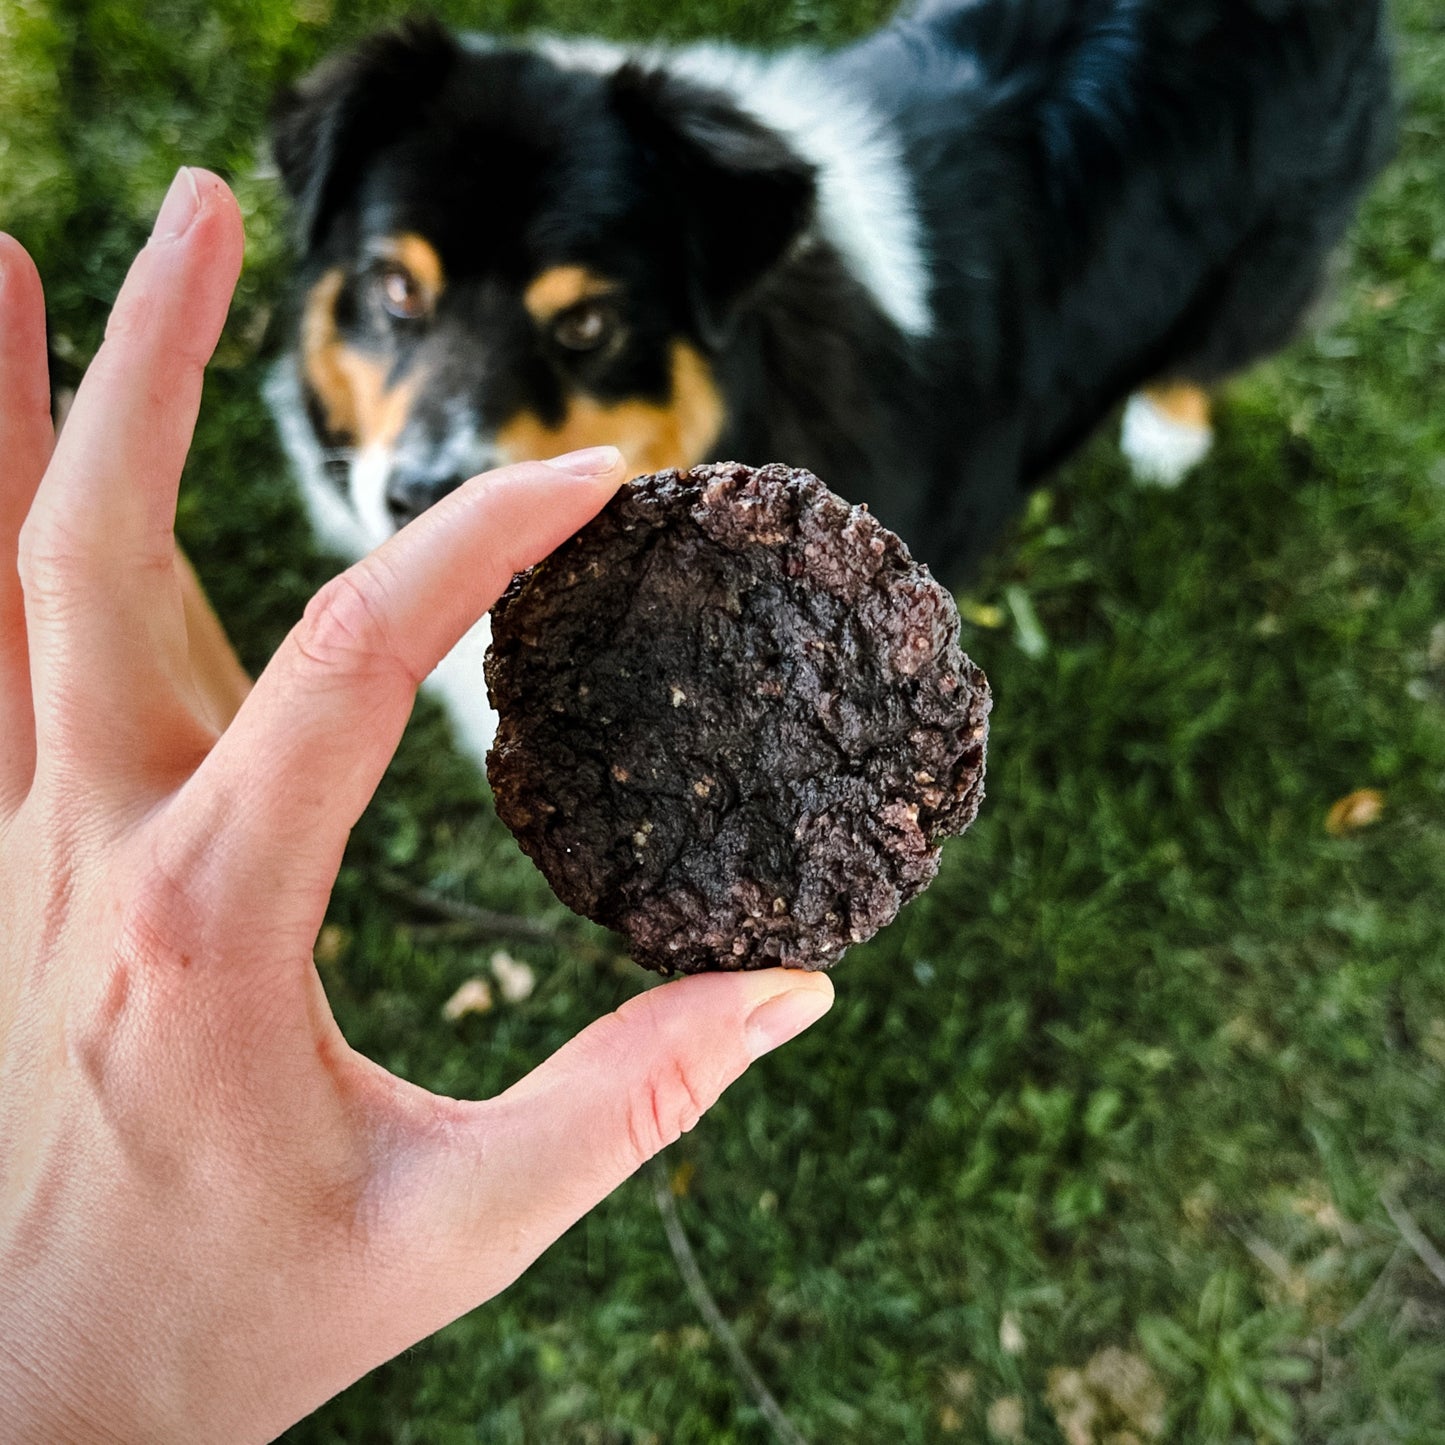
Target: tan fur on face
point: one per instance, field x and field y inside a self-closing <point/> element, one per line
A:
<point x="1182" y="402"/>
<point x="419" y="257"/>
<point x="562" y="286"/>
<point x="650" y="435"/>
<point x="350" y="384"/>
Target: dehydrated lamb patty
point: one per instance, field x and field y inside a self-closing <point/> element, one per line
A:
<point x="736" y="723"/>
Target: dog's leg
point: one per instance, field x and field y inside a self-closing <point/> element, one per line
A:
<point x="220" y="678"/>
<point x="1167" y="433"/>
<point x="460" y="684"/>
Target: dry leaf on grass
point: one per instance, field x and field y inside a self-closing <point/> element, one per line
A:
<point x="1115" y="1398"/>
<point x="1317" y="1206"/>
<point x="1359" y="810"/>
<point x="1131" y="1385"/>
<point x="982" y="614"/>
<point x="1074" y="1406"/>
<point x="1434" y="1043"/>
<point x="330" y="944"/>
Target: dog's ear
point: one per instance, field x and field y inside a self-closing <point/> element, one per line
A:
<point x="324" y="129"/>
<point x="743" y="196"/>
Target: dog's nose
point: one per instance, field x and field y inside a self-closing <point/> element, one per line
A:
<point x="410" y="493"/>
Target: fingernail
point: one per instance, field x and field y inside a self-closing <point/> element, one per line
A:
<point x="179" y="208"/>
<point x="785" y="1016"/>
<point x="590" y="462"/>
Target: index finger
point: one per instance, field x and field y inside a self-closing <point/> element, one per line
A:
<point x="294" y="771"/>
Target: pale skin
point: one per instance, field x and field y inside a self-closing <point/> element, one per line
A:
<point x="214" y="1214"/>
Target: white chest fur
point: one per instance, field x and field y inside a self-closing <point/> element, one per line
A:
<point x="458" y="682"/>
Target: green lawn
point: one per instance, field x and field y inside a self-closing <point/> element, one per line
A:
<point x="1156" y="1060"/>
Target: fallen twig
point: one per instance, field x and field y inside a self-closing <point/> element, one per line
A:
<point x="460" y="932"/>
<point x="453" y="910"/>
<point x="707" y="1307"/>
<point x="1269" y="1257"/>
<point x="461" y="922"/>
<point x="1414" y="1236"/>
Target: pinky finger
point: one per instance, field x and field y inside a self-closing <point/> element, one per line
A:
<point x="26" y="441"/>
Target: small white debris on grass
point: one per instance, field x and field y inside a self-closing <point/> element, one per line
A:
<point x="516" y="981"/>
<point x="959" y="1385"/>
<point x="1006" y="1420"/>
<point x="473" y="997"/>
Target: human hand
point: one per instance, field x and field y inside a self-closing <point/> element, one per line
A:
<point x="213" y="1213"/>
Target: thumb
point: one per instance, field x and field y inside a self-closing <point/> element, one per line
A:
<point x="534" y="1160"/>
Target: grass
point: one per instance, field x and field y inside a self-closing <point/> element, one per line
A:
<point x="1140" y="1067"/>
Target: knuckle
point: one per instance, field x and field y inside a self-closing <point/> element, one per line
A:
<point x="667" y="1104"/>
<point x="49" y="552"/>
<point x="130" y="319"/>
<point x="162" y="922"/>
<point x="145" y="321"/>
<point x="59" y="555"/>
<point x="347" y="628"/>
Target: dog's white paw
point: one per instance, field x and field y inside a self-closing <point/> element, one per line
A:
<point x="1162" y="450"/>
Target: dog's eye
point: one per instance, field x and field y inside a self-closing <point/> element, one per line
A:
<point x="401" y="294"/>
<point x="587" y="327"/>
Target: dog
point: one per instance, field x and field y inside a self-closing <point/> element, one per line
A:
<point x="925" y="266"/>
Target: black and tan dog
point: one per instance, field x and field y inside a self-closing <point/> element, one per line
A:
<point x="925" y="266"/>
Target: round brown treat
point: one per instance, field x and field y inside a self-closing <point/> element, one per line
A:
<point x="735" y="720"/>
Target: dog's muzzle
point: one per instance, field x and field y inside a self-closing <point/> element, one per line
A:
<point x="410" y="492"/>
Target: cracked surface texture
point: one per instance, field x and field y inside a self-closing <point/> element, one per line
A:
<point x="736" y="723"/>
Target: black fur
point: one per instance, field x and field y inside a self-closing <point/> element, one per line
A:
<point x="1113" y="192"/>
<point x="1120" y="191"/>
